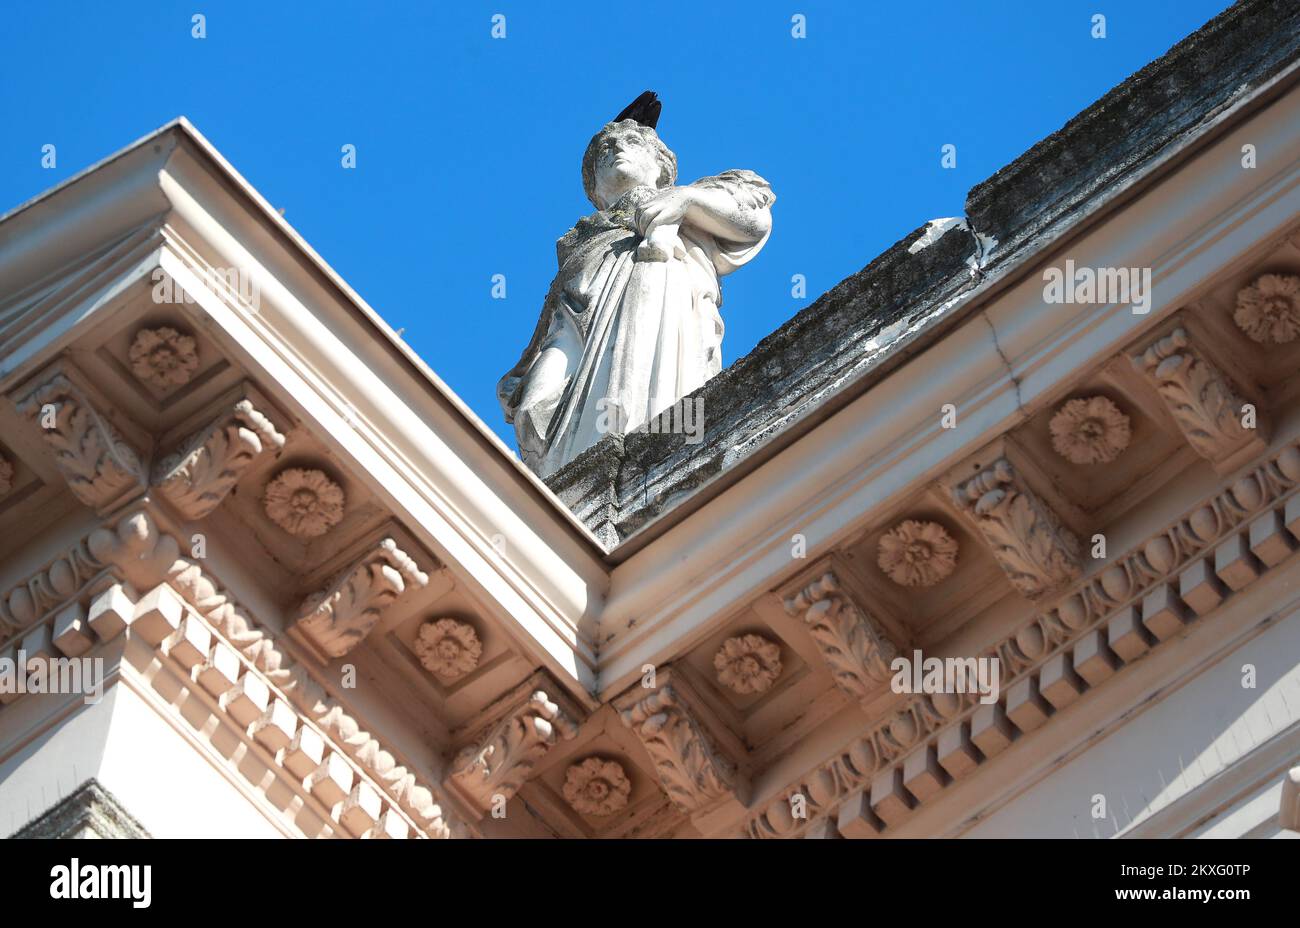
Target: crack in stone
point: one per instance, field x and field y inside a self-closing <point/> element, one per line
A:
<point x="997" y="346"/>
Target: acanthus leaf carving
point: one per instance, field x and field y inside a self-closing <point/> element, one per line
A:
<point x="854" y="646"/>
<point x="198" y="476"/>
<point x="891" y="739"/>
<point x="144" y="556"/>
<point x="339" y="617"/>
<point x="692" y="770"/>
<point x="502" y="760"/>
<point x="260" y="649"/>
<point x="1038" y="554"/>
<point x="101" y="469"/>
<point x="1200" y="397"/>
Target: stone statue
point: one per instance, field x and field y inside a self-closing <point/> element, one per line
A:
<point x="630" y="324"/>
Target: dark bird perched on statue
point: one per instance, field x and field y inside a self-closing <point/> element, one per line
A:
<point x="645" y="109"/>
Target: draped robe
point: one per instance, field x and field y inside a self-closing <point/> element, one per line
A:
<point x="628" y="327"/>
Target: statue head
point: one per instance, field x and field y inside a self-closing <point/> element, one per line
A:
<point x="623" y="155"/>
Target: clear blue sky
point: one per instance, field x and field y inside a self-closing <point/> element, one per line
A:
<point x="468" y="147"/>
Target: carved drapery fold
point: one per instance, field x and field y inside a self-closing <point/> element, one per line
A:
<point x="1038" y="554"/>
<point x="198" y="476"/>
<point x="339" y="617"/>
<point x="501" y="761"/>
<point x="852" y="643"/>
<point x="101" y="469"/>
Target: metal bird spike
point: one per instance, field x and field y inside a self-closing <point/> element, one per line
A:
<point x="645" y="109"/>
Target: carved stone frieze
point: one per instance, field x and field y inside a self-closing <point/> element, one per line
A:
<point x="339" y="617"/>
<point x="498" y="763"/>
<point x="132" y="546"/>
<point x="1098" y="606"/>
<point x="692" y="769"/>
<point x="147" y="556"/>
<point x="101" y="469"/>
<point x="853" y="644"/>
<point x="1204" y="403"/>
<point x="199" y="475"/>
<point x="1038" y="554"/>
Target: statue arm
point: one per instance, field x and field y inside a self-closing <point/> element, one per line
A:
<point x="734" y="206"/>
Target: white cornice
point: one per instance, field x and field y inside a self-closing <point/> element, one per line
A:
<point x="454" y="483"/>
<point x="329" y="356"/>
<point x="1007" y="360"/>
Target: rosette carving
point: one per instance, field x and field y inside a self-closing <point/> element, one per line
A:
<point x="597" y="786"/>
<point x="163" y="357"/>
<point x="1089" y="430"/>
<point x="915" y="553"/>
<point x="748" y="664"/>
<point x="448" y="648"/>
<point x="1268" y="311"/>
<point x="304" y="502"/>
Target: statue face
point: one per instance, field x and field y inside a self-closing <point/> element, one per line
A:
<point x="624" y="161"/>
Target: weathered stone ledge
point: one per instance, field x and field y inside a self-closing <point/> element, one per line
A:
<point x="886" y="309"/>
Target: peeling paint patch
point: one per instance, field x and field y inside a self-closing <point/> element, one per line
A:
<point x="934" y="231"/>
